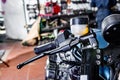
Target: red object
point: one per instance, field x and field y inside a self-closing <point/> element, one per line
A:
<point x="55" y="7"/>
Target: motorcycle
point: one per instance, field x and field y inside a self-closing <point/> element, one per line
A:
<point x="84" y="57"/>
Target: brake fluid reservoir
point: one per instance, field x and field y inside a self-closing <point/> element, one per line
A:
<point x="79" y="25"/>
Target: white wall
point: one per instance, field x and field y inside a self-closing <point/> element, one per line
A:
<point x="14" y="19"/>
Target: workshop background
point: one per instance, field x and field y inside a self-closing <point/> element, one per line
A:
<point x="24" y="24"/>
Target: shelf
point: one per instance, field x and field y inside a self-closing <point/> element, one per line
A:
<point x="66" y="15"/>
<point x="75" y="2"/>
<point x="53" y="28"/>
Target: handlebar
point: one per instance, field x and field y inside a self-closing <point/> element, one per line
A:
<point x="57" y="50"/>
<point x="19" y="66"/>
<point x="64" y="46"/>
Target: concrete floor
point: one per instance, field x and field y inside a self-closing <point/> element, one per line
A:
<point x="15" y="54"/>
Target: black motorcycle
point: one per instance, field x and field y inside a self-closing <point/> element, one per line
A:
<point x="84" y="57"/>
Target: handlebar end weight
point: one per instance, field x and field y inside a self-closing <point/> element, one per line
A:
<point x="19" y="66"/>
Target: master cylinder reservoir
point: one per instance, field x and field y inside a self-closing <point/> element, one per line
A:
<point x="79" y="25"/>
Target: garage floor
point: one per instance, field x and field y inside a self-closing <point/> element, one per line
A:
<point x="15" y="53"/>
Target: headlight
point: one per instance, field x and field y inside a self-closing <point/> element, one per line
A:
<point x="79" y="25"/>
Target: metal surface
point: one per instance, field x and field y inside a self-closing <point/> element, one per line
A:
<point x="111" y="28"/>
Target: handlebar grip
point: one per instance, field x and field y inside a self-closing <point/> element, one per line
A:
<point x="44" y="47"/>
